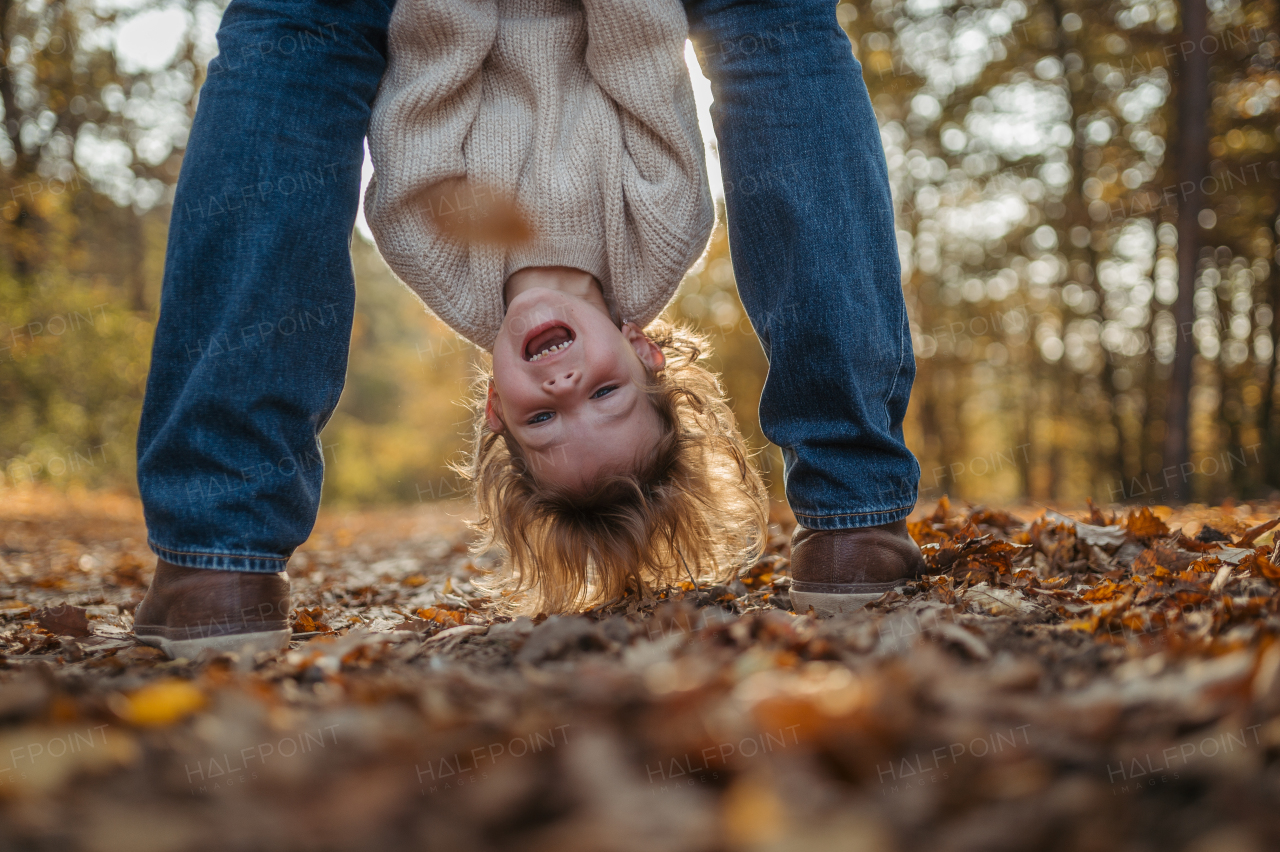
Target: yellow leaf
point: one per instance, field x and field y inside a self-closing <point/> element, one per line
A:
<point x="46" y="758"/>
<point x="1101" y="593"/>
<point x="162" y="703"/>
<point x="752" y="814"/>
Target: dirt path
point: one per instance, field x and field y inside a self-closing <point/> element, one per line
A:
<point x="1056" y="685"/>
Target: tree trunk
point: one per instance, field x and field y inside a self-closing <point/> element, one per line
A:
<point x="1193" y="167"/>
<point x="1270" y="430"/>
<point x="1077" y="215"/>
<point x="22" y="169"/>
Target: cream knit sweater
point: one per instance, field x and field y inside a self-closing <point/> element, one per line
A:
<point x="579" y="110"/>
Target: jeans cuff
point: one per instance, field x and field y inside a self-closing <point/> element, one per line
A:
<point x="244" y="562"/>
<point x="852" y="520"/>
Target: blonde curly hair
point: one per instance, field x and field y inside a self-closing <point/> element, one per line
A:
<point x="694" y="504"/>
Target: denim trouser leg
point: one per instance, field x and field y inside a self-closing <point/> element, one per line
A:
<point x="814" y="252"/>
<point x="250" y="352"/>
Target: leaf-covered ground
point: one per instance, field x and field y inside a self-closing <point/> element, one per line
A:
<point x="1075" y="681"/>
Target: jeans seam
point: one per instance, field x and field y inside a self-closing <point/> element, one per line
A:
<point x="856" y="514"/>
<point x="888" y="419"/>
<point x="155" y="546"/>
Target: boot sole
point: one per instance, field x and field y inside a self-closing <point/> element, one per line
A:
<point x="831" y="603"/>
<point x="239" y="643"/>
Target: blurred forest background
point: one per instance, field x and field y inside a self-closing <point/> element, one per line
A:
<point x="1087" y="208"/>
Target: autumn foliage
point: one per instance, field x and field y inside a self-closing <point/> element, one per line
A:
<point x="1054" y="676"/>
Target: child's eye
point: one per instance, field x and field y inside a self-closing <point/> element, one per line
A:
<point x="604" y="391"/>
<point x="542" y="417"/>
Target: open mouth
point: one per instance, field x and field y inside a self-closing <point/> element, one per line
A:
<point x="547" y="340"/>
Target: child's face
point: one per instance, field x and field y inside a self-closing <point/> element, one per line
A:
<point x="568" y="386"/>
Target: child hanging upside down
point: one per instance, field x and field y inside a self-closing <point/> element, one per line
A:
<point x="540" y="183"/>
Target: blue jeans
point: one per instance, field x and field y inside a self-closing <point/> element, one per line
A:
<point x="250" y="352"/>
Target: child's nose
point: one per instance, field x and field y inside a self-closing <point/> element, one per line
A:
<point x="562" y="382"/>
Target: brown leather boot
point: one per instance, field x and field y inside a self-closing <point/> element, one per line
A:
<point x="835" y="571"/>
<point x="187" y="610"/>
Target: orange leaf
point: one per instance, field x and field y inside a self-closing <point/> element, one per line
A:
<point x="1189" y="599"/>
<point x="1145" y="525"/>
<point x="940" y="513"/>
<point x="1260" y="564"/>
<point x="1134" y="621"/>
<point x="1102" y="593"/>
<point x="308" y="621"/>
<point x="924" y="532"/>
<point x="440" y="615"/>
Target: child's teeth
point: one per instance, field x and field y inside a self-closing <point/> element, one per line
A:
<point x="551" y="349"/>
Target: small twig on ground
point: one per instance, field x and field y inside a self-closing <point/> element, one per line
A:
<point x="696" y="587"/>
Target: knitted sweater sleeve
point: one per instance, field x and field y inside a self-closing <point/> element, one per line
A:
<point x="664" y="216"/>
<point x="426" y="105"/>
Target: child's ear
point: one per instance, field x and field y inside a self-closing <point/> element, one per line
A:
<point x="649" y="353"/>
<point x="491" y="408"/>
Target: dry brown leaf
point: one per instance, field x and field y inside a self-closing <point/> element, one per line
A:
<point x="1212" y="536"/>
<point x="65" y="620"/>
<point x="1099" y="561"/>
<point x="1254" y="533"/>
<point x="1107" y="536"/>
<point x="940" y="512"/>
<point x="475" y="214"/>
<point x="1146" y="562"/>
<point x="1260" y="564"/>
<point x="1097" y="518"/>
<point x="1002" y="521"/>
<point x="970" y="554"/>
<point x="1197" y="544"/>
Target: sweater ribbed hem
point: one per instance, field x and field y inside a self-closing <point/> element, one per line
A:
<point x="586" y="254"/>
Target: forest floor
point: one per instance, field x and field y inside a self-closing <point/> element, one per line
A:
<point x="1074" y="682"/>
